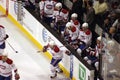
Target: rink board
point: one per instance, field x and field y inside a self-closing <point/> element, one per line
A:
<point x="40" y="36"/>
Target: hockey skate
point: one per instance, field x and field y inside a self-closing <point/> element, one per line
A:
<point x="53" y="76"/>
<point x="58" y="70"/>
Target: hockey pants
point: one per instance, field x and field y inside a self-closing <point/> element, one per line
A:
<point x="54" y="66"/>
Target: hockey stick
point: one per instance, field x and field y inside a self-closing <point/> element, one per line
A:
<point x="12" y="47"/>
<point x="39" y="51"/>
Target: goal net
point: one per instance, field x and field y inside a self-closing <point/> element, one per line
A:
<point x="4" y="8"/>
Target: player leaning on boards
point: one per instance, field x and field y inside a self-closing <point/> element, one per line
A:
<point x="7" y="67"/>
<point x="57" y="55"/>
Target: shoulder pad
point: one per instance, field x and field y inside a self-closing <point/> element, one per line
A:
<point x="88" y="32"/>
<point x="55" y="9"/>
<point x="0" y="57"/>
<point x="56" y="49"/>
<point x="73" y="29"/>
<point x="64" y="11"/>
<point x="76" y="22"/>
<point x="1" y="26"/>
<point x="9" y="61"/>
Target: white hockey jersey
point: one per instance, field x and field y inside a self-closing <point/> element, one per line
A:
<point x="2" y="34"/>
<point x="57" y="51"/>
<point x="74" y="32"/>
<point x="85" y="36"/>
<point x="47" y="7"/>
<point x="75" y="23"/>
<point x="7" y="67"/>
<point x="60" y="15"/>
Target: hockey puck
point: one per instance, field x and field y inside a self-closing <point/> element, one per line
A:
<point x="16" y="51"/>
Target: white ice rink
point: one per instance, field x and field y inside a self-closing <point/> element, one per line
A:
<point x="31" y="65"/>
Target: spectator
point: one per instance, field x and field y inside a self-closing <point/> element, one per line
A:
<point x="90" y="16"/>
<point x="115" y="30"/>
<point x="77" y="8"/>
<point x="107" y="24"/>
<point x="112" y="14"/>
<point x="100" y="8"/>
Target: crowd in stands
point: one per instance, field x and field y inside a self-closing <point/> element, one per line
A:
<point x="77" y="25"/>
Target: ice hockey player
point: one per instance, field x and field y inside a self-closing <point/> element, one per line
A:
<point x="57" y="55"/>
<point x="92" y="54"/>
<point x="74" y="20"/>
<point x="7" y="67"/>
<point x="73" y="33"/>
<point x="60" y="18"/>
<point x="3" y="37"/>
<point x="85" y="35"/>
<point x="46" y="10"/>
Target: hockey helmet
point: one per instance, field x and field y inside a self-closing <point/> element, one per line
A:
<point x="85" y="58"/>
<point x="74" y="15"/>
<point x="51" y="43"/>
<point x="68" y="24"/>
<point x="4" y="54"/>
<point x="89" y="62"/>
<point x="58" y="5"/>
<point x="79" y="51"/>
<point x="96" y="64"/>
<point x="99" y="38"/>
<point x="85" y="25"/>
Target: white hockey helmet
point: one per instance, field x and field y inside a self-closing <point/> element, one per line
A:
<point x="99" y="38"/>
<point x="85" y="25"/>
<point x="79" y="51"/>
<point x="58" y="5"/>
<point x="4" y="54"/>
<point x="85" y="58"/>
<point x="89" y="62"/>
<point x="74" y="15"/>
<point x="96" y="64"/>
<point x="51" y="43"/>
<point x="68" y="24"/>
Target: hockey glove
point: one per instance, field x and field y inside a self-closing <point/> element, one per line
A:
<point x="17" y="77"/>
<point x="67" y="52"/>
<point x="6" y="37"/>
<point x="45" y="48"/>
